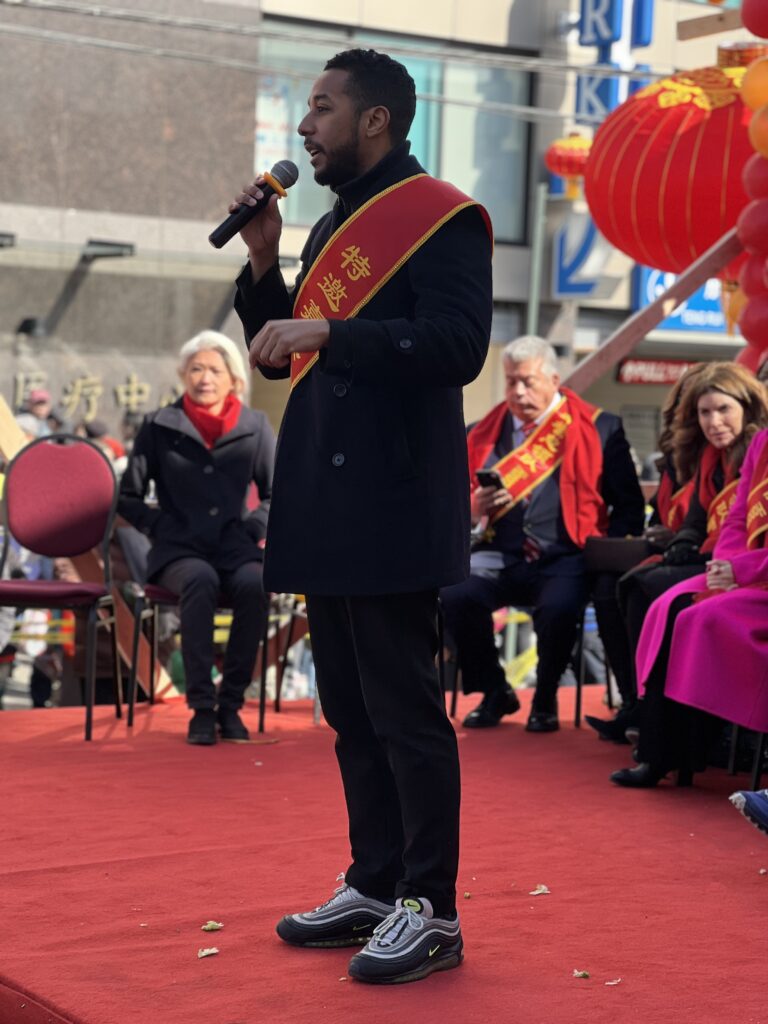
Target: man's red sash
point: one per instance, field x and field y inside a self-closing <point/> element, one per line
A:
<point x="567" y="439"/>
<point x="757" y="503"/>
<point x="371" y="246"/>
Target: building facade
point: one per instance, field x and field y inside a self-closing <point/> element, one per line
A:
<point x="126" y="133"/>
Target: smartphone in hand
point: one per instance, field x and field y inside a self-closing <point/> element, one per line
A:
<point x="489" y="478"/>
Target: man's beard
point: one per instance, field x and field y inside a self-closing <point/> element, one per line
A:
<point x="342" y="164"/>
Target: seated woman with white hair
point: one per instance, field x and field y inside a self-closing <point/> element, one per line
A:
<point x="203" y="452"/>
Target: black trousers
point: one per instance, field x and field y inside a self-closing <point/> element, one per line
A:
<point x="396" y="748"/>
<point x="557" y="594"/>
<point x="202" y="589"/>
<point x="672" y="735"/>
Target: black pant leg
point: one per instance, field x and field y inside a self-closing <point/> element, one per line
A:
<point x="468" y="611"/>
<point x="665" y="726"/>
<point x="197" y="584"/>
<point x="613" y="634"/>
<point x="244" y="592"/>
<point x="560" y="603"/>
<point x="414" y="760"/>
<point x="373" y="805"/>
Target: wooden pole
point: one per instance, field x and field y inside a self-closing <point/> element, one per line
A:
<point x="709" y="25"/>
<point x="632" y="331"/>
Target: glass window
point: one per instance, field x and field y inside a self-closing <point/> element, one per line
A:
<point x="481" y="152"/>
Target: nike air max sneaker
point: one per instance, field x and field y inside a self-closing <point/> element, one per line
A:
<point x="347" y="919"/>
<point x="754" y="806"/>
<point x="410" y="944"/>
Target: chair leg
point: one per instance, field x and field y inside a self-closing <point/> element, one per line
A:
<point x="138" y="611"/>
<point x="580" y="677"/>
<point x="264" y="664"/>
<point x="90" y="671"/>
<point x="734" y="749"/>
<point x="757" y="764"/>
<point x="154" y="647"/>
<point x="283" y="658"/>
<point x="116" y="667"/>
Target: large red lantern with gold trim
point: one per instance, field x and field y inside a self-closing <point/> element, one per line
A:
<point x="663" y="179"/>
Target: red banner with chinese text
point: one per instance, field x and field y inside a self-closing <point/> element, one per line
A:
<point x="368" y="248"/>
<point x="757" y="504"/>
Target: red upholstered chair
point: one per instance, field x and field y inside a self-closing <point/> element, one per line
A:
<point x="59" y="501"/>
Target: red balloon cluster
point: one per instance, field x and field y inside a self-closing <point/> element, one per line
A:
<point x="752" y="228"/>
<point x="754" y="15"/>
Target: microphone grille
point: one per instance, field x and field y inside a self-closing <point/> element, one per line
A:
<point x="286" y="172"/>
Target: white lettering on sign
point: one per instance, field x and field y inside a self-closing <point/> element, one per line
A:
<point x="598" y="21"/>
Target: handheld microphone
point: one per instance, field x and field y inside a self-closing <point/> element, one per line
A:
<point x="282" y="176"/>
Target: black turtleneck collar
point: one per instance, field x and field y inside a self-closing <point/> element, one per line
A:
<point x="352" y="194"/>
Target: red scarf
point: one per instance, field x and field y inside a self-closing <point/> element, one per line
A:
<point x="211" y="427"/>
<point x="711" y="459"/>
<point x="584" y="512"/>
<point x="672" y="505"/>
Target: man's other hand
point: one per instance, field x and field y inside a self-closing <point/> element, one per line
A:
<point x="279" y="339"/>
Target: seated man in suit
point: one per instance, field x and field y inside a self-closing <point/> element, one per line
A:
<point x="566" y="474"/>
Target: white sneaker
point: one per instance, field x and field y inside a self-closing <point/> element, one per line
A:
<point x="410" y="944"/>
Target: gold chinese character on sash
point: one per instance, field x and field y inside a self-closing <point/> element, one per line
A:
<point x="360" y="266"/>
<point x="311" y="311"/>
<point x="517" y="474"/>
<point x="333" y="290"/>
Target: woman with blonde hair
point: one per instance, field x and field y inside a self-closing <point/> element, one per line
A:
<point x="719" y="414"/>
<point x="205" y="453"/>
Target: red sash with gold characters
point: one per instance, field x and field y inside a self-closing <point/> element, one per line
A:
<point x="537" y="458"/>
<point x="719" y="508"/>
<point x="757" y="503"/>
<point x="717" y="504"/>
<point x="371" y="246"/>
<point x="567" y="439"/>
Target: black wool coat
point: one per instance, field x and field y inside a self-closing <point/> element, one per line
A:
<point x="371" y="491"/>
<point x="201" y="493"/>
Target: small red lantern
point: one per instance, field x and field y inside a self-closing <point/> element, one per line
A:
<point x="568" y="158"/>
<point x="751" y="276"/>
<point x="755" y="177"/>
<point x="663" y="178"/>
<point x="752" y="226"/>
<point x="754" y="321"/>
<point x="754" y="15"/>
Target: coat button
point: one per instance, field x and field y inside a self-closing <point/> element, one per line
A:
<point x="208" y="469"/>
<point x="213" y="511"/>
<point x="340" y="390"/>
<point x="338" y="459"/>
<point x="347" y="365"/>
<point x="405" y="344"/>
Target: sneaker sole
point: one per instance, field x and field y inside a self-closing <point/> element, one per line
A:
<point x="740" y="803"/>
<point x="443" y="964"/>
<point x="360" y="938"/>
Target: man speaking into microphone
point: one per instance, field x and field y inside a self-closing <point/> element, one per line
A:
<point x="389" y="317"/>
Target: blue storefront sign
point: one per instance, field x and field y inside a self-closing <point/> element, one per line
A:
<point x="702" y="313"/>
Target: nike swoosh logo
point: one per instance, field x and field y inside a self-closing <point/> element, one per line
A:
<point x="359" y="927"/>
<point x="433" y="951"/>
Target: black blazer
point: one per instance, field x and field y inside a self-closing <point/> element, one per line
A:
<point x="371" y="490"/>
<point x="201" y="493"/>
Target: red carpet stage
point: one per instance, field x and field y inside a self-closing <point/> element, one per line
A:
<point x="115" y="853"/>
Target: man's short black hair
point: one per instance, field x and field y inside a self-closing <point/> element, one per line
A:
<point x="375" y="80"/>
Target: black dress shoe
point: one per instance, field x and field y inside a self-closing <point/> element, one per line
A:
<point x="231" y="726"/>
<point x="202" y="728"/>
<point x="542" y="721"/>
<point x="492" y="708"/>
<point x="612" y="730"/>
<point x="645" y="776"/>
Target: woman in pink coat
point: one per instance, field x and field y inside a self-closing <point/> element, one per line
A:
<point x="704" y="642"/>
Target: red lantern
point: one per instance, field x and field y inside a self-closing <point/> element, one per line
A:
<point x="568" y="158"/>
<point x="755" y="177"/>
<point x="754" y="15"/>
<point x="754" y="321"/>
<point x="751" y="276"/>
<point x="663" y="178"/>
<point x="752" y="226"/>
